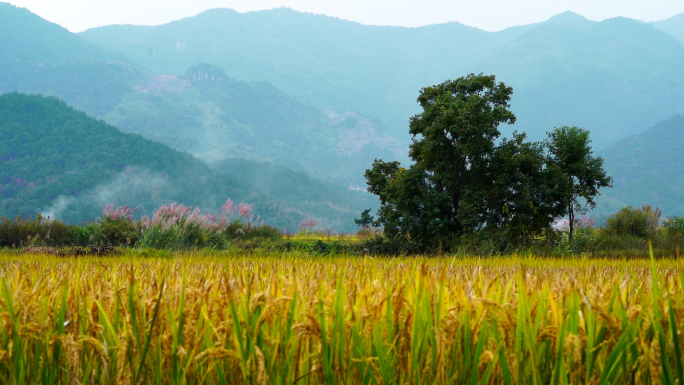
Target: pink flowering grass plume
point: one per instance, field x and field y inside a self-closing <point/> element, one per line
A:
<point x="230" y="212"/>
<point x="585" y="222"/>
<point x="243" y="210"/>
<point x="307" y="225"/>
<point x="173" y="214"/>
<point x="227" y="208"/>
<point x="125" y="212"/>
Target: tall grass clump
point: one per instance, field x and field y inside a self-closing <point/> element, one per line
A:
<point x="175" y="226"/>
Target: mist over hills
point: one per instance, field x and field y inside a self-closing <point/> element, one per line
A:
<point x="213" y="116"/>
<point x="613" y="77"/>
<point x="60" y="162"/>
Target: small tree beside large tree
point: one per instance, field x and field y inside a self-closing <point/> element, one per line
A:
<point x="581" y="173"/>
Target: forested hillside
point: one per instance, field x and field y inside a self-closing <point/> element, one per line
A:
<point x="613" y="77"/>
<point x="54" y="154"/>
<point x="647" y="169"/>
<point x="60" y="162"/>
<point x="204" y="110"/>
<point x="213" y="116"/>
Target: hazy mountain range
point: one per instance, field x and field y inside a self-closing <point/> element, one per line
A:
<point x="309" y="100"/>
<point x="613" y="77"/>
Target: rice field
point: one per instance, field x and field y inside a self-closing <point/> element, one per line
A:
<point x="290" y="318"/>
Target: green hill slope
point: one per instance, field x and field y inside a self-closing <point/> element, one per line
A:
<point x="212" y="116"/>
<point x="58" y="161"/>
<point x="612" y="77"/>
<point x="51" y="152"/>
<point x="647" y="169"/>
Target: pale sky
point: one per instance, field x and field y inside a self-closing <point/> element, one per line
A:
<point x="490" y="15"/>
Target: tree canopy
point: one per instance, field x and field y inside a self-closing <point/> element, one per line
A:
<point x="465" y="177"/>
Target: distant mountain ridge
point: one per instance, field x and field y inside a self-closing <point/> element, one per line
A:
<point x="26" y="38"/>
<point x="303" y="54"/>
<point x="673" y="26"/>
<point x="613" y="77"/>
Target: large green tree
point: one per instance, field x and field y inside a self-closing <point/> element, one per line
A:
<point x="582" y="173"/>
<point x="463" y="179"/>
<point x="453" y="138"/>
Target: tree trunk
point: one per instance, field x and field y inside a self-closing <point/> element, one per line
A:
<point x="571" y="217"/>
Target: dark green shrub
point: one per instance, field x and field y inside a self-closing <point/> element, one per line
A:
<point x="636" y="222"/>
<point x="334" y="247"/>
<point x="38" y="231"/>
<point x="674" y="226"/>
<point x="85" y="235"/>
<point x="117" y="232"/>
<point x="381" y="245"/>
<point x="240" y="230"/>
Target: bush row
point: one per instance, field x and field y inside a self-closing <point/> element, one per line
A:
<point x="171" y="227"/>
<point x="124" y="232"/>
<point x="626" y="233"/>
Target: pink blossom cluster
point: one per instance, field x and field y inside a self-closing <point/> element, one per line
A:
<point x="231" y="211"/>
<point x="307" y="225"/>
<point x="118" y="213"/>
<point x="583" y="222"/>
<point x="170" y="215"/>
